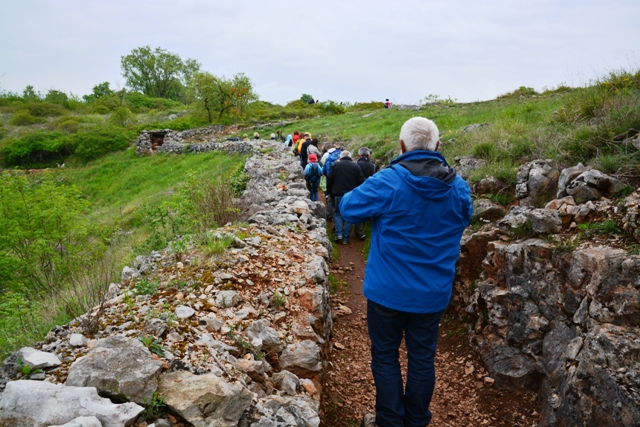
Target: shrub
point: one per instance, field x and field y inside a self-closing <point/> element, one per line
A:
<point x="91" y="144"/>
<point x="24" y="118"/>
<point x="207" y="203"/>
<point x="42" y="232"/>
<point x="37" y="149"/>
<point x="68" y="125"/>
<point x="100" y="109"/>
<point x="121" y="117"/>
<point x="45" y="109"/>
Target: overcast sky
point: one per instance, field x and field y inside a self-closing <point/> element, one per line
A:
<point x="348" y="50"/>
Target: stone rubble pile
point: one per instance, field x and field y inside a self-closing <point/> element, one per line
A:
<point x="234" y="339"/>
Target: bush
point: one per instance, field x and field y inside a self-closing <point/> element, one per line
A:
<point x="100" y="109"/>
<point x="91" y="144"/>
<point x="24" y="118"/>
<point x="68" y="125"/>
<point x="45" y="109"/>
<point x="121" y="117"/>
<point x="37" y="149"/>
<point x="41" y="232"/>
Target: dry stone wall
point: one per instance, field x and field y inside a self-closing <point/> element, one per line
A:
<point x="236" y="339"/>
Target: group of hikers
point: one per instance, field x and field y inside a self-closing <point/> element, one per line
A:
<point x="341" y="173"/>
<point x="419" y="208"/>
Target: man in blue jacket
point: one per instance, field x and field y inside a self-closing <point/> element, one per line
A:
<point x="420" y="208"/>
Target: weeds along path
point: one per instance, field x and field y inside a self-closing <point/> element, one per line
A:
<point x="462" y="398"/>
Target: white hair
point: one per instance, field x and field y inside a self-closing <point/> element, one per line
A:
<point x="419" y="133"/>
<point x="345" y="153"/>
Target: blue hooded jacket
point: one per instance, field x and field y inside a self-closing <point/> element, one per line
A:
<point x="420" y="208"/>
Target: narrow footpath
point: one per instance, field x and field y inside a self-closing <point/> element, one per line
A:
<point x="463" y="396"/>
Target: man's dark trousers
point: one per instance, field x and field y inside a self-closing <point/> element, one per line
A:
<point x="396" y="407"/>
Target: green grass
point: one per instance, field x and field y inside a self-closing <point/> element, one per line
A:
<point x="120" y="185"/>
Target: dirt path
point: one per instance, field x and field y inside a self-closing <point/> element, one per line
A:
<point x="461" y="398"/>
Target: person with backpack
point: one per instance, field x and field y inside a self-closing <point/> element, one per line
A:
<point x="312" y="175"/>
<point x="344" y="176"/>
<point x="303" y="150"/>
<point x="313" y="148"/>
<point x="289" y="141"/>
<point x="331" y="156"/>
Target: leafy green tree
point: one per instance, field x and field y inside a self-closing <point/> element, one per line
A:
<point x="99" y="91"/>
<point x="57" y="97"/>
<point x="306" y="98"/>
<point x="157" y="73"/>
<point x="30" y="95"/>
<point x="226" y="97"/>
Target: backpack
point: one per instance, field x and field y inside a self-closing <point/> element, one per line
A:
<point x="330" y="160"/>
<point x="314" y="174"/>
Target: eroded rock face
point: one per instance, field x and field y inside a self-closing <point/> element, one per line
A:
<point x="118" y="366"/>
<point x="42" y="404"/>
<point x="537" y="182"/>
<point x="563" y="323"/>
<point x="204" y="400"/>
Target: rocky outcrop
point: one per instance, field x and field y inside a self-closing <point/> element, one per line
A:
<point x="42" y="404"/>
<point x="564" y="323"/>
<point x="537" y="182"/>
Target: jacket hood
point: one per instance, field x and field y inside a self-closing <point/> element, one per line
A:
<point x="425" y="172"/>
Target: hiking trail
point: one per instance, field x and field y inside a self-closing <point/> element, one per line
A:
<point x="462" y="397"/>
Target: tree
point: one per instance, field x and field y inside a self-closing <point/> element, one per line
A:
<point x="306" y="98"/>
<point x="220" y="95"/>
<point x="98" y="92"/>
<point x="157" y="73"/>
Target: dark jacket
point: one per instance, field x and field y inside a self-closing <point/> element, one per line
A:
<point x="304" y="155"/>
<point x="367" y="166"/>
<point x="344" y="176"/>
<point x="420" y="208"/>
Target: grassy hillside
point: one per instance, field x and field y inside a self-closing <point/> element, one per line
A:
<point x="567" y="125"/>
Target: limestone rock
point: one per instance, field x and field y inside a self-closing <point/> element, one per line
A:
<point x="271" y="342"/>
<point x="287" y="382"/>
<point x="58" y="404"/>
<point x="536" y="182"/>
<point x="129" y="273"/>
<point x="118" y="366"/>
<point x="38" y="359"/>
<point x="283" y="412"/>
<point x="487" y="210"/>
<point x="566" y="176"/>
<point x="82" y="422"/>
<point x="184" y="312"/>
<point x="228" y="299"/>
<point x="204" y="400"/>
<point x="465" y="166"/>
<point x="545" y="221"/>
<point x="77" y="340"/>
<point x="303" y="359"/>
